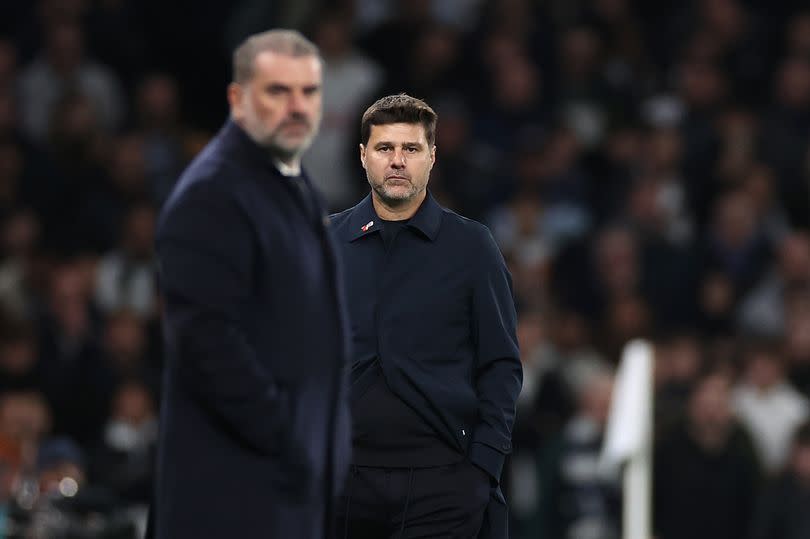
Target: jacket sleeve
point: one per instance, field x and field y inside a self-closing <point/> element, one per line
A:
<point x="498" y="375"/>
<point x="206" y="257"/>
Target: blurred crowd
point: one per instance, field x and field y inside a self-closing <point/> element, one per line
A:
<point x="644" y="167"/>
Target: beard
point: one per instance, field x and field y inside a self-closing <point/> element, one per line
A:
<point x="391" y="198"/>
<point x="284" y="146"/>
<point x="277" y="141"/>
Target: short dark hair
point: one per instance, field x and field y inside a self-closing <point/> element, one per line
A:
<point x="289" y="42"/>
<point x="399" y="108"/>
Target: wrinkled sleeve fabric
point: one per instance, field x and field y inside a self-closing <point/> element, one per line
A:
<point x="498" y="375"/>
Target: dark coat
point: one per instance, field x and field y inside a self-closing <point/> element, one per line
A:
<point x="254" y="433"/>
<point x="716" y="488"/>
<point x="437" y="310"/>
<point x="782" y="509"/>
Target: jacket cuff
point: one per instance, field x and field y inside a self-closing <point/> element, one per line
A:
<point x="488" y="459"/>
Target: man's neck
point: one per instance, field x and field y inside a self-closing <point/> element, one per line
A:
<point x="291" y="166"/>
<point x="397" y="213"/>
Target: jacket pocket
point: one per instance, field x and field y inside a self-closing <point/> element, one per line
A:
<point x="496" y="517"/>
<point x="363" y="378"/>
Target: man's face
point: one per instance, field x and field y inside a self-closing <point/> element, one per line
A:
<point x="280" y="107"/>
<point x="397" y="159"/>
<point x="709" y="406"/>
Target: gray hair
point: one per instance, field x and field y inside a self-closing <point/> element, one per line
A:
<point x="287" y="42"/>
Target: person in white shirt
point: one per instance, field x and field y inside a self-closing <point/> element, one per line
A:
<point x="768" y="406"/>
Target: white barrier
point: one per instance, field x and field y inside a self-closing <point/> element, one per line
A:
<point x="628" y="436"/>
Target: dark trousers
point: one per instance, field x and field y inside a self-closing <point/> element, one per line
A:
<point x="391" y="503"/>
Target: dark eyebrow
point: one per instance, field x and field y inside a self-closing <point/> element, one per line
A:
<point x="404" y="144"/>
<point x="277" y="87"/>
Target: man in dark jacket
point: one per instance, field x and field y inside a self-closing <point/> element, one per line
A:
<point x="254" y="433"/>
<point x="436" y="370"/>
<point x="705" y="471"/>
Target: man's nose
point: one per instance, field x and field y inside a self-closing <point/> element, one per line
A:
<point x="398" y="159"/>
<point x="297" y="103"/>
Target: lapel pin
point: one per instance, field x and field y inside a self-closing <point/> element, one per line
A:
<point x="366" y="226"/>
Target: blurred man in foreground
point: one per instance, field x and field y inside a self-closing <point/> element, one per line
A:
<point x="254" y="425"/>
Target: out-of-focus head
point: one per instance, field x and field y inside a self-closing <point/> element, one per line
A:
<point x="617" y="259"/>
<point x="764" y="365"/>
<point x="797" y="338"/>
<point x="685" y="358"/>
<point x="724" y="18"/>
<point x="74" y="126"/>
<point x="276" y="93"/>
<point x="664" y="147"/>
<point x="498" y="48"/>
<point x="759" y="183"/>
<point x="517" y="83"/>
<point x="333" y="34"/>
<point x="69" y="298"/>
<point x="18" y="349"/>
<point x="124" y="339"/>
<point x="436" y="50"/>
<point x="531" y="333"/>
<point x="127" y="165"/>
<point x="570" y="330"/>
<point x="65" y="46"/>
<point x="20" y="233"/>
<point x="798" y="34"/>
<point x="793" y="83"/>
<point x="580" y="49"/>
<point x="157" y="101"/>
<point x="735" y="221"/>
<point x="594" y="395"/>
<point x="8" y="62"/>
<point x="701" y="83"/>
<point x="456" y="126"/>
<point x="709" y="408"/>
<point x="133" y="404"/>
<point x="611" y="10"/>
<point x="794" y="257"/>
<point x="24" y="416"/>
<point x="138" y="232"/>
<point x="625" y="145"/>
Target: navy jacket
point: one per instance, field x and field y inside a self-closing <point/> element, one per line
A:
<point x="438" y="311"/>
<point x="254" y="434"/>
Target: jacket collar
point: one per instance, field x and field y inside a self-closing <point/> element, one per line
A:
<point x="364" y="219"/>
<point x="234" y="136"/>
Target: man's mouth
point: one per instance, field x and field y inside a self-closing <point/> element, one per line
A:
<point x="296" y="125"/>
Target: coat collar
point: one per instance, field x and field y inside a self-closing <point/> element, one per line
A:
<point x="364" y="219"/>
<point x="234" y="136"/>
